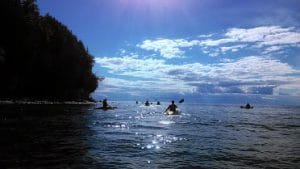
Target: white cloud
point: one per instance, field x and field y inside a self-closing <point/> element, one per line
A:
<point x="291" y="89"/>
<point x="259" y="74"/>
<point x="122" y="51"/>
<point x="282" y="38"/>
<point x="275" y="38"/>
<point x="234" y="39"/>
<point x="225" y="60"/>
<point x="254" y="68"/>
<point x="205" y="36"/>
<point x="272" y="49"/>
<point x="217" y="42"/>
<point x="129" y="63"/>
<point x="214" y="54"/>
<point x="145" y="86"/>
<point x="257" y="34"/>
<point x="167" y="48"/>
<point x="252" y="73"/>
<point x="264" y="35"/>
<point x="234" y="48"/>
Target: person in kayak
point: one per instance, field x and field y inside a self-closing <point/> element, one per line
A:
<point x="105" y="106"/>
<point x="247" y="106"/>
<point x="172" y="107"/>
<point x="104" y="103"/>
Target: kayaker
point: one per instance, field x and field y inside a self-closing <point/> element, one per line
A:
<point x="172" y="107"/>
<point x="247" y="106"/>
<point x="104" y="103"/>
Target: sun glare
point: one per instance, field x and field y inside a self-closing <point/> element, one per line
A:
<point x="151" y="4"/>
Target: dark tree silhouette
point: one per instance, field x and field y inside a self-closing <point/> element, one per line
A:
<point x="39" y="57"/>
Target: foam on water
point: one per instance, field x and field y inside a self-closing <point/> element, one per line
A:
<point x="166" y="122"/>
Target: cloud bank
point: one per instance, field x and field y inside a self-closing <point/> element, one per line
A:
<point x="265" y="38"/>
<point x="252" y="75"/>
<point x="243" y="61"/>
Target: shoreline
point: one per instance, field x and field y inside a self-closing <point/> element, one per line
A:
<point x="44" y="102"/>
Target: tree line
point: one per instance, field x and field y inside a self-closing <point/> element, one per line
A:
<point x="40" y="58"/>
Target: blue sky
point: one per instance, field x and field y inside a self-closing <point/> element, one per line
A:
<point x="175" y="48"/>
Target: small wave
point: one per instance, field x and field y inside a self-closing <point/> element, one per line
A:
<point x="267" y="127"/>
<point x="250" y="149"/>
<point x="288" y="126"/>
<point x="117" y="125"/>
<point x="147" y="127"/>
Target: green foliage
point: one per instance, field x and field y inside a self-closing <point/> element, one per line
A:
<point x="39" y="57"/>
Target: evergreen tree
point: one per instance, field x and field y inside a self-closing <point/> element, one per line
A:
<point x="39" y="57"/>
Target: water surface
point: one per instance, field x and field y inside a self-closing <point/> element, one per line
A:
<point x="135" y="136"/>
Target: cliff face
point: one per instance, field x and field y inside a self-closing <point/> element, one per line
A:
<point x="39" y="57"/>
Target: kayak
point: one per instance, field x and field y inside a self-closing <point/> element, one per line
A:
<point x="244" y="107"/>
<point x="106" y="108"/>
<point x="169" y="112"/>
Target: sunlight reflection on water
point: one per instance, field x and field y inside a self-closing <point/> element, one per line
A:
<point x="202" y="136"/>
<point x="213" y="134"/>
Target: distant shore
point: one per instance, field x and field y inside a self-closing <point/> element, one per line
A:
<point x="44" y="102"/>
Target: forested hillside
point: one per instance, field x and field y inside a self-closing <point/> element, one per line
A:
<point x="40" y="58"/>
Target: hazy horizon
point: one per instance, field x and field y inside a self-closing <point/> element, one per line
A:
<point x="255" y="100"/>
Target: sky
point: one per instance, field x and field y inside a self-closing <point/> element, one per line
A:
<point x="199" y="49"/>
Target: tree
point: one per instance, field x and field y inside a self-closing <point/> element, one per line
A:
<point x="40" y="58"/>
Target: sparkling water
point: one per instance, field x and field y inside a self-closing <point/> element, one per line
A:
<point x="138" y="136"/>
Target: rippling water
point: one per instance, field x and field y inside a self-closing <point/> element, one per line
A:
<point x="135" y="136"/>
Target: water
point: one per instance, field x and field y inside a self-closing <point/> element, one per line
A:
<point x="135" y="136"/>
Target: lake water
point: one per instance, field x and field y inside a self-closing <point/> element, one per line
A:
<point x="135" y="136"/>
